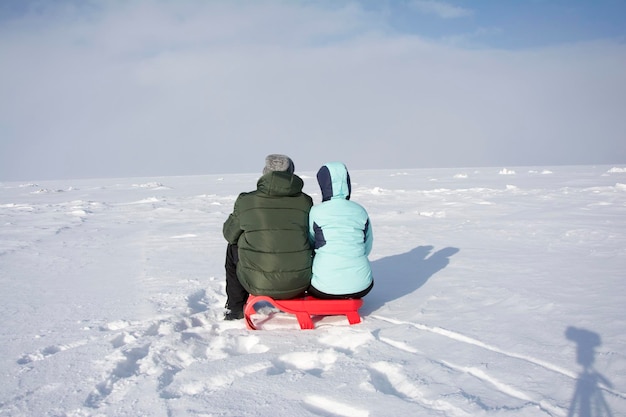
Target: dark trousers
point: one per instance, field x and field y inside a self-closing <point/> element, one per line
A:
<point x="235" y="292"/>
<point x="314" y="292"/>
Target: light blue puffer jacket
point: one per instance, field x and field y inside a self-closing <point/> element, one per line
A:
<point x="341" y="235"/>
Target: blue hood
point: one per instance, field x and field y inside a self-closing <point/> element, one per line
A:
<point x="334" y="181"/>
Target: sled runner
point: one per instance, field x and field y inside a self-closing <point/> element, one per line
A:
<point x="306" y="307"/>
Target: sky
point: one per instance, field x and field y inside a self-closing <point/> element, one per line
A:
<point x="92" y="89"/>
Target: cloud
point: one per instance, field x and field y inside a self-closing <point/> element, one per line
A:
<point x="191" y="87"/>
<point x="441" y="9"/>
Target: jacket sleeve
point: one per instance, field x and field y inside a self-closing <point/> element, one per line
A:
<point x="311" y="231"/>
<point x="369" y="237"/>
<point x="232" y="227"/>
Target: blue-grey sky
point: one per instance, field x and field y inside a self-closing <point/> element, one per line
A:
<point x="152" y="87"/>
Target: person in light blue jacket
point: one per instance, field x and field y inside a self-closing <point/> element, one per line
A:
<point x="341" y="235"/>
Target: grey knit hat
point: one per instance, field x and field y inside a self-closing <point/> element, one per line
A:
<point x="277" y="162"/>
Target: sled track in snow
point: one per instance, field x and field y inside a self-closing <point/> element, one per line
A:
<point x="466" y="339"/>
<point x="471" y="341"/>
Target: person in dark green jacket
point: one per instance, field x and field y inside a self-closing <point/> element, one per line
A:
<point x="268" y="249"/>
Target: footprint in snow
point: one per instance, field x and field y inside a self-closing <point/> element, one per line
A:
<point x="46" y="352"/>
<point x="314" y="363"/>
<point x="214" y="383"/>
<point x="232" y="345"/>
<point x="122" y="339"/>
<point x="328" y="407"/>
<point x="114" y="325"/>
<point x="390" y="379"/>
<point x="347" y="340"/>
<point x="125" y="368"/>
<point x="196" y="302"/>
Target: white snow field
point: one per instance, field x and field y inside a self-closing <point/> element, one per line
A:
<point x="498" y="292"/>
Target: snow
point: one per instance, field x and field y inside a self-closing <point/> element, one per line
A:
<point x="498" y="292"/>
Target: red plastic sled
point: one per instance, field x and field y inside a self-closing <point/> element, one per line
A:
<point x="306" y="307"/>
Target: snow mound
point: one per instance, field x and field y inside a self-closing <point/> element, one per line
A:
<point x="505" y="171"/>
<point x="151" y="186"/>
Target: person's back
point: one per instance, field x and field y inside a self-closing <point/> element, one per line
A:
<point x="268" y="247"/>
<point x="342" y="237"/>
<point x="269" y="226"/>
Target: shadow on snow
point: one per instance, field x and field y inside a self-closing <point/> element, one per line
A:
<point x="398" y="275"/>
<point x="588" y="400"/>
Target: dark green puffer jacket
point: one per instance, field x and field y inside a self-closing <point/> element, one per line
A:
<point x="270" y="226"/>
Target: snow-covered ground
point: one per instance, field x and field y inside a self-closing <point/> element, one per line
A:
<point x="499" y="292"/>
